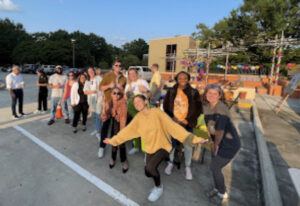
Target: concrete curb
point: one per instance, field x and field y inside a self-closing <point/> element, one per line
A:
<point x="270" y="187"/>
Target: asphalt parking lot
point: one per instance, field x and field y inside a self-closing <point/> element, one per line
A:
<point x="49" y="165"/>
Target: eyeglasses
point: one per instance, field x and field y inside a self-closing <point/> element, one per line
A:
<point x="117" y="93"/>
<point x="117" y="65"/>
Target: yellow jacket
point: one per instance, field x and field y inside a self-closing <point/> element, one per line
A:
<point x="156" y="129"/>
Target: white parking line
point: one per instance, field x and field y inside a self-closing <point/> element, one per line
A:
<point x="93" y="133"/>
<point x="115" y="194"/>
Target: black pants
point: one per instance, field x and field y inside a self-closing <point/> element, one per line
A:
<point x="104" y="132"/>
<point x="216" y="166"/>
<point x="78" y="109"/>
<point x="152" y="163"/>
<point x="18" y="97"/>
<point x="42" y="100"/>
<point x="114" y="130"/>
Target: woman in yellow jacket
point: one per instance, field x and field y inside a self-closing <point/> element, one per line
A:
<point x="155" y="128"/>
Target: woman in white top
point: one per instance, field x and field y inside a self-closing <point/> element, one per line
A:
<point x="79" y="102"/>
<point x="135" y="86"/>
<point x="94" y="98"/>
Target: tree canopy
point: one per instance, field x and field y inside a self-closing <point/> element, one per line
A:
<point x="19" y="47"/>
<point x="253" y="21"/>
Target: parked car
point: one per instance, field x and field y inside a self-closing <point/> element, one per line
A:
<point x="30" y="68"/>
<point x="48" y="69"/>
<point x="143" y="71"/>
<point x="75" y="70"/>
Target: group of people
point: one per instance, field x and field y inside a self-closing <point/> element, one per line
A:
<point x="124" y="109"/>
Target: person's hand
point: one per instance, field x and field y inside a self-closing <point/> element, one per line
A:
<point x="13" y="95"/>
<point x="199" y="140"/>
<point x="107" y="141"/>
<point x="120" y="86"/>
<point x="111" y="85"/>
<point x="58" y="85"/>
<point x="142" y="89"/>
<point x="129" y="88"/>
<point x="184" y="122"/>
<point x="73" y="105"/>
<point x="94" y="91"/>
<point x="216" y="149"/>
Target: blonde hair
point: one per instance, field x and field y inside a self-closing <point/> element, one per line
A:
<point x="137" y="74"/>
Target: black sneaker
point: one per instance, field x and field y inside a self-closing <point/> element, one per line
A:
<point x="67" y="121"/>
<point x="51" y="122"/>
<point x="211" y="193"/>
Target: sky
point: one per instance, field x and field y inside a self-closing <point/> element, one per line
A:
<point x="118" y="21"/>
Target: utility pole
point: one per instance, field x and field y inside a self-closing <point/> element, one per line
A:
<point x="73" y="44"/>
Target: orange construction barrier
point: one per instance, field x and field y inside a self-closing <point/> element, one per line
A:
<point x="58" y="112"/>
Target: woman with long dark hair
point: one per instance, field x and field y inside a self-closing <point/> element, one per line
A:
<point x="79" y="102"/>
<point x="117" y="110"/>
<point x="156" y="128"/>
<point x="226" y="142"/>
<point x="43" y="92"/>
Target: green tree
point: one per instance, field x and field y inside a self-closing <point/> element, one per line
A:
<point x="137" y="47"/>
<point x="11" y="35"/>
<point x="129" y="60"/>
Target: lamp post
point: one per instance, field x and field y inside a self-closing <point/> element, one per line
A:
<point x="73" y="44"/>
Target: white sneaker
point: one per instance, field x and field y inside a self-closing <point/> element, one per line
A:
<point x="100" y="152"/>
<point x="98" y="135"/>
<point x="188" y="173"/>
<point x="37" y="112"/>
<point x="169" y="168"/>
<point x="133" y="151"/>
<point x="155" y="193"/>
<point x="43" y="112"/>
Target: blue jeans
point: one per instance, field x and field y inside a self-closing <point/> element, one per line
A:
<point x="69" y="112"/>
<point x="98" y="121"/>
<point x="188" y="151"/>
<point x="156" y="98"/>
<point x="54" y="102"/>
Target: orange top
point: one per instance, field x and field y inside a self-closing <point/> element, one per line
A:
<point x="181" y="105"/>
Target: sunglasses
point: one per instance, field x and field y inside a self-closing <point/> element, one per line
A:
<point x="117" y="65"/>
<point x="117" y="93"/>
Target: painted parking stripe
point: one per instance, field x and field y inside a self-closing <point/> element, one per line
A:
<point x="109" y="190"/>
<point x="93" y="133"/>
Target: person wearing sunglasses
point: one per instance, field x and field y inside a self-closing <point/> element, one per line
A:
<point x="67" y="94"/>
<point x="157" y="133"/>
<point x="116" y="109"/>
<point x="79" y="102"/>
<point x="109" y="81"/>
<point x="91" y="89"/>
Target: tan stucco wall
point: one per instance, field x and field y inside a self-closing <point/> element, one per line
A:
<point x="157" y="50"/>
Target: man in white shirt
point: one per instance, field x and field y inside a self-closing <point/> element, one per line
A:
<point x="57" y="83"/>
<point x="15" y="85"/>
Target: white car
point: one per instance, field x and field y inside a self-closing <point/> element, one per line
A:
<point x="143" y="71"/>
<point x="48" y="69"/>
